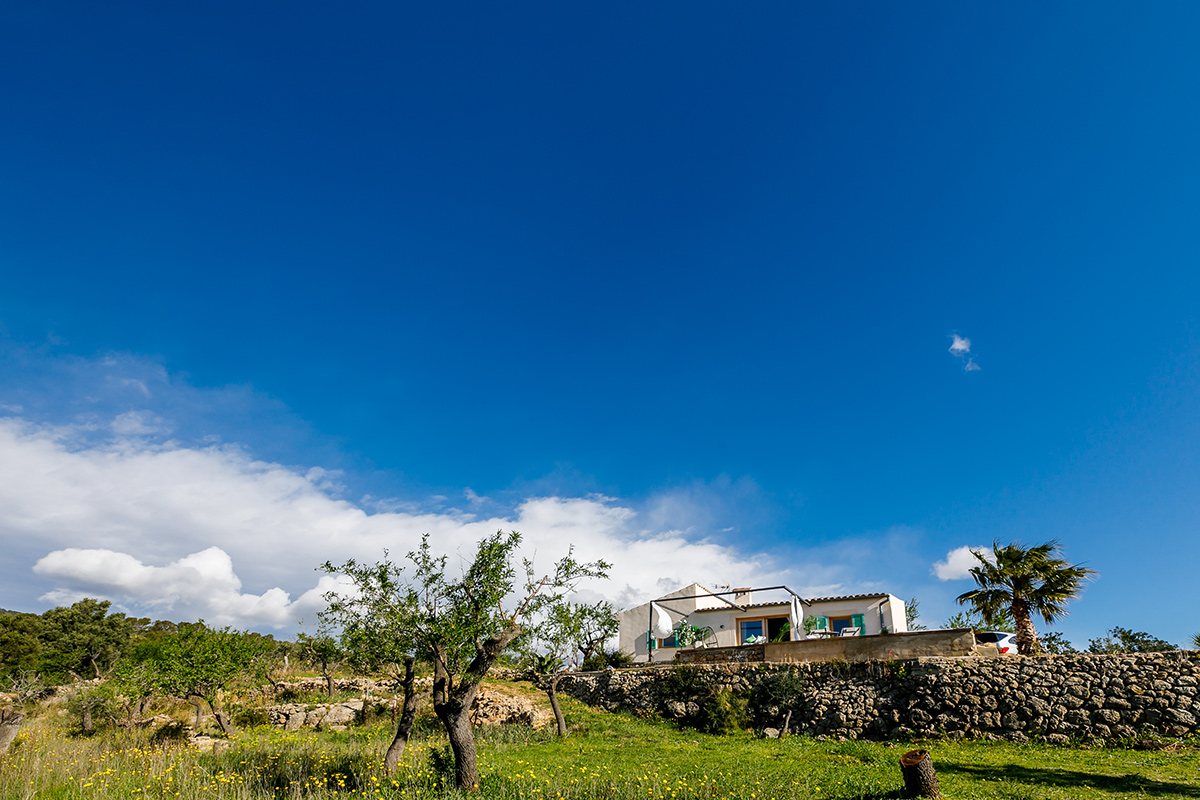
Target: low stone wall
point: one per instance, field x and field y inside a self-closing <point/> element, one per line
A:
<point x="493" y="706"/>
<point x="1058" y="698"/>
<point x="326" y="716"/>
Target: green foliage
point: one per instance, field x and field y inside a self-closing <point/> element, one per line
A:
<point x="607" y="658"/>
<point x="444" y="618"/>
<point x="198" y="661"/>
<point x="96" y="706"/>
<point x="441" y="762"/>
<point x="571" y="632"/>
<point x="1025" y="581"/>
<point x="1056" y="644"/>
<point x="1123" y="640"/>
<point x="545" y="663"/>
<point x="708" y="708"/>
<point x="912" y="613"/>
<point x="251" y="717"/>
<point x="1196" y="641"/>
<point x="774" y="694"/>
<point x="20" y="642"/>
<point x="1001" y="621"/>
<point x="83" y="639"/>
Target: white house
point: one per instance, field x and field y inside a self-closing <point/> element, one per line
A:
<point x="727" y="619"/>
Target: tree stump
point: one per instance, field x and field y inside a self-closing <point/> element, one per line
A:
<point x="920" y="778"/>
<point x="10" y="723"/>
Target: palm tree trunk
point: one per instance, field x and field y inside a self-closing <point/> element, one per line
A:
<point x="1027" y="641"/>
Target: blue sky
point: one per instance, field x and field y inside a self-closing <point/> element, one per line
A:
<point x="292" y="282"/>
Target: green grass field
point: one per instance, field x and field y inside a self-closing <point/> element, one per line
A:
<point x="606" y="756"/>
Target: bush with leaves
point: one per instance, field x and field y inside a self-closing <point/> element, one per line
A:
<point x="1056" y="644"/>
<point x="774" y="696"/>
<point x="1123" y="640"/>
<point x="95" y="706"/>
<point x="604" y="659"/>
<point x="912" y="613"/>
<point x="1002" y="621"/>
<point x="706" y="707"/>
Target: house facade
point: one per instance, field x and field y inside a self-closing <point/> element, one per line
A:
<point x="748" y="615"/>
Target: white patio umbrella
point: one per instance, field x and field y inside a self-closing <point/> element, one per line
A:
<point x="660" y="622"/>
<point x="796" y="619"/>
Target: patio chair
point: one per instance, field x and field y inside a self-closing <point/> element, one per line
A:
<point x="850" y="632"/>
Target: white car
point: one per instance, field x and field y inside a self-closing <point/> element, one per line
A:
<point x="1005" y="642"/>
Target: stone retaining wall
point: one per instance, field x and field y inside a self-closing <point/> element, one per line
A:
<point x="1058" y="698"/>
<point x="914" y="644"/>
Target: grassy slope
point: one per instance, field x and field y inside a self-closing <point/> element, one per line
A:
<point x="607" y="756"/>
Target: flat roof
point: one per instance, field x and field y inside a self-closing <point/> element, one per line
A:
<point x="787" y="602"/>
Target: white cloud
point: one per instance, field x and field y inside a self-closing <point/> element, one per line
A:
<point x="184" y="532"/>
<point x="960" y="347"/>
<point x="959" y="562"/>
<point x="139" y="423"/>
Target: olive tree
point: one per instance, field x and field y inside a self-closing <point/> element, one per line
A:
<point x="566" y="636"/>
<point x="199" y="662"/>
<point x="459" y="622"/>
<point x="322" y="650"/>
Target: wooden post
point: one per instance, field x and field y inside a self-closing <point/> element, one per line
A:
<point x="920" y="778"/>
<point x="10" y="723"/>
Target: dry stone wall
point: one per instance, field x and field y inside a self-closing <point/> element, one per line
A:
<point x="492" y="706"/>
<point x="1057" y="698"/>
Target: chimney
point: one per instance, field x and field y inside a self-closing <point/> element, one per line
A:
<point x="741" y="596"/>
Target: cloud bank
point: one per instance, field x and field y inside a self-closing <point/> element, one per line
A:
<point x="181" y="532"/>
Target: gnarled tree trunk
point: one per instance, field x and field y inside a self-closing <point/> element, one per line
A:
<point x="452" y="703"/>
<point x="10" y="725"/>
<point x="409" y="713"/>
<point x="223" y="722"/>
<point x="325" y="671"/>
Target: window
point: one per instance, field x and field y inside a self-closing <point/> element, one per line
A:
<point x="774" y="628"/>
<point x="668" y="642"/>
<point x="749" y="630"/>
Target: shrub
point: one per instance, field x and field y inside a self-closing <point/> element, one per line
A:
<point x="706" y="707"/>
<point x="250" y="717"/>
<point x="603" y="660"/>
<point x="94" y="707"/>
<point x="774" y="695"/>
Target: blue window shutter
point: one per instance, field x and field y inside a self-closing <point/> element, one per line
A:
<point x="822" y="623"/>
<point x="856" y="620"/>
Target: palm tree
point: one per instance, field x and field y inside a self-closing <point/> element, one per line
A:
<point x="1024" y="581"/>
<point x="1196" y="641"/>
